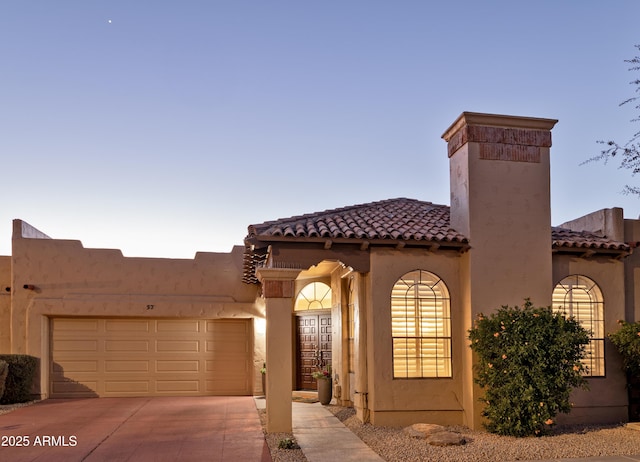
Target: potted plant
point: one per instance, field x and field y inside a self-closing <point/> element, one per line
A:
<point x="325" y="384"/>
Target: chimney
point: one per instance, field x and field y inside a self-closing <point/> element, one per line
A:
<point x="499" y="173"/>
<point x="500" y="199"/>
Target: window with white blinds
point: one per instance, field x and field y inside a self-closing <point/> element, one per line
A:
<point x="581" y="298"/>
<point x="421" y="326"/>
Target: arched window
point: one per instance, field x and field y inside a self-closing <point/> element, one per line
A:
<point x="581" y="298"/>
<point x="314" y="296"/>
<point x="421" y="326"/>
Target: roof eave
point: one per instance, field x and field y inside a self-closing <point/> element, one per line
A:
<point x="588" y="252"/>
<point x="432" y="244"/>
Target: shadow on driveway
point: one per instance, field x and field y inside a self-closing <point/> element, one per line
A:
<point x="212" y="428"/>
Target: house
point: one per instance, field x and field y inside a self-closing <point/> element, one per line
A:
<point x="385" y="292"/>
<point x="106" y="325"/>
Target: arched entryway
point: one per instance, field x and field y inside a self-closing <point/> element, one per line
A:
<point x="313" y="338"/>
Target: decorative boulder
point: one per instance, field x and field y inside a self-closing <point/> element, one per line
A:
<point x="446" y="439"/>
<point x="423" y="430"/>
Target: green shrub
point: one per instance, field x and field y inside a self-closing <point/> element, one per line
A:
<point x="528" y="361"/>
<point x="22" y="369"/>
<point x="288" y="443"/>
<point x="627" y="341"/>
<point x="4" y="371"/>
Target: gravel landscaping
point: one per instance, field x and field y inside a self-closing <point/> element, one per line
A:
<point x="273" y="440"/>
<point x="6" y="408"/>
<point x="394" y="445"/>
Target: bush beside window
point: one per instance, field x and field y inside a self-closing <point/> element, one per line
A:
<point x="627" y="341"/>
<point x="4" y="371"/>
<point x="528" y="361"/>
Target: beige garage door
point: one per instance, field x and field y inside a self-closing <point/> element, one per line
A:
<point x="150" y="357"/>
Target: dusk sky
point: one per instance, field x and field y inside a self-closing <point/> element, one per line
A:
<point x="163" y="128"/>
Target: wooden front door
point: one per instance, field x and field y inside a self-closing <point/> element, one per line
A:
<point x="313" y="347"/>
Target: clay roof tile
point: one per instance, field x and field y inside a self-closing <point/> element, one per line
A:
<point x="399" y="219"/>
<point x="402" y="218"/>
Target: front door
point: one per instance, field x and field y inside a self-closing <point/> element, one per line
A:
<point x="313" y="347"/>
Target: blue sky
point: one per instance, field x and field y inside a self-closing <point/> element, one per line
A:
<point x="163" y="128"/>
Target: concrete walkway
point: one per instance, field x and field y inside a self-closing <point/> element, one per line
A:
<point x="323" y="437"/>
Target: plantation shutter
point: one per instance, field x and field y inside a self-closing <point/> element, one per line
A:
<point x="421" y="326"/>
<point x="580" y="297"/>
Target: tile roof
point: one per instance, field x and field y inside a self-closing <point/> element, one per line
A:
<point x="392" y="221"/>
<point x="566" y="238"/>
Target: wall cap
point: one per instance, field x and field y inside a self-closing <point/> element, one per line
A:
<point x="497" y="120"/>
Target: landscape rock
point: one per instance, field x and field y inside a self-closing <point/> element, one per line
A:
<point x="423" y="430"/>
<point x="393" y="444"/>
<point x="446" y="439"/>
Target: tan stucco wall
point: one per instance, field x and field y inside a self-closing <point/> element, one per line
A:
<point x="503" y="208"/>
<point x="70" y="280"/>
<point x="359" y="379"/>
<point x="278" y="289"/>
<point x="403" y="401"/>
<point x="632" y="271"/>
<point x="5" y="303"/>
<point x="338" y="329"/>
<point x="606" y="401"/>
<point x="605" y="222"/>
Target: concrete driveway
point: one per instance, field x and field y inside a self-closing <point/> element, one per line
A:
<point x="212" y="428"/>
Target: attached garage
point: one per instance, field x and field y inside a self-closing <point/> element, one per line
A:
<point x="114" y="357"/>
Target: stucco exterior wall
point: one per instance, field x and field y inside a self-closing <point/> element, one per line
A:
<point x="70" y="280"/>
<point x="606" y="400"/>
<point x="632" y="271"/>
<point x="339" y="330"/>
<point x="361" y="376"/>
<point x="5" y="303"/>
<point x="604" y="222"/>
<point x="404" y="401"/>
<point x="503" y="207"/>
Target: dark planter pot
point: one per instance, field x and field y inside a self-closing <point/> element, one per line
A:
<point x="325" y="391"/>
<point x="264" y="384"/>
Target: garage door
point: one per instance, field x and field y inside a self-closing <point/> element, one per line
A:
<point x="150" y="357"/>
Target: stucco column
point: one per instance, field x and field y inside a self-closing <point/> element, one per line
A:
<point x="361" y="385"/>
<point x="278" y="290"/>
<point x="500" y="200"/>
